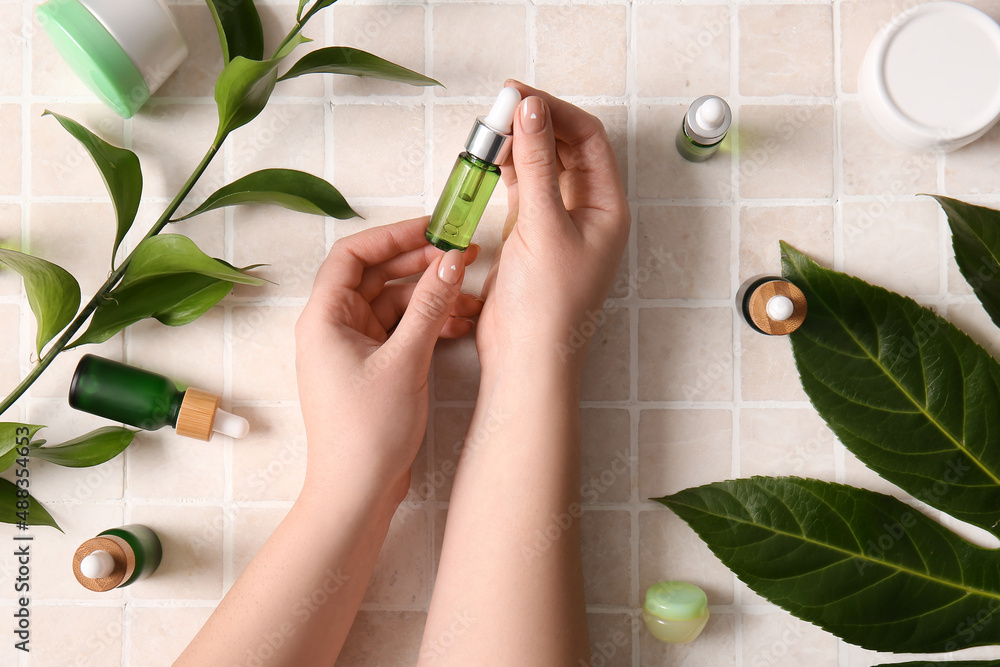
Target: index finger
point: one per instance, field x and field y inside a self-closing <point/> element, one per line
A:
<point x="351" y="255"/>
<point x="572" y="125"/>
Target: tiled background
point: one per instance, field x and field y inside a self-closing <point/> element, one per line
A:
<point x="677" y="392"/>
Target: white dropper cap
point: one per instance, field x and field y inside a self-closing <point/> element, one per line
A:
<point x="711" y="115"/>
<point x="779" y="308"/>
<point x="97" y="565"/>
<point x="229" y="424"/>
<point x="501" y="116"/>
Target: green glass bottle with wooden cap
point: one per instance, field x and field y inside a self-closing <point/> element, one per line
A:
<point x="149" y="401"/>
<point x="117" y="557"/>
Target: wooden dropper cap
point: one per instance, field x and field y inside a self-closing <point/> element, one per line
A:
<point x="776" y="307"/>
<point x="121" y="569"/>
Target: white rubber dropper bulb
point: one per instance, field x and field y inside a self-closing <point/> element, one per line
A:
<point x="501" y="116"/>
<point x="97" y="565"/>
<point x="779" y="308"/>
<point x="229" y="424"/>
<point x="711" y="115"/>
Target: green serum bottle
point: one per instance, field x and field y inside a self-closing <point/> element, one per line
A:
<point x="149" y="401"/>
<point x="474" y="176"/>
<point x="117" y="557"/>
<point x="704" y="127"/>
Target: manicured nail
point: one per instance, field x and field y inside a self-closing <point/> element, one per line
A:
<point x="533" y="115"/>
<point x="450" y="269"/>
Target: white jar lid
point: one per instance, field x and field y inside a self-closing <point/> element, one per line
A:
<point x="931" y="77"/>
<point x="147" y="31"/>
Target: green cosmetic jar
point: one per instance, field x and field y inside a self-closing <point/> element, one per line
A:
<point x="122" y="50"/>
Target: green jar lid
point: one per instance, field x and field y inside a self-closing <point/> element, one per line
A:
<point x="94" y="55"/>
<point x="676" y="601"/>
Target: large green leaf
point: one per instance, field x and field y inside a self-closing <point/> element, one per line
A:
<point x="172" y="254"/>
<point x="92" y="449"/>
<point x="12" y="435"/>
<point x="53" y="294"/>
<point x="173" y="299"/>
<point x="862" y="565"/>
<point x="120" y="170"/>
<point x="911" y="395"/>
<point x="37" y="514"/>
<point x="244" y="87"/>
<point x="975" y="236"/>
<point x="240" y="31"/>
<point x="295" y="190"/>
<point x="355" y="62"/>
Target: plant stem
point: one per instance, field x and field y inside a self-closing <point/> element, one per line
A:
<point x="108" y="285"/>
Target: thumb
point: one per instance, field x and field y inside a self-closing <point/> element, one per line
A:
<point x="536" y="162"/>
<point x="430" y="306"/>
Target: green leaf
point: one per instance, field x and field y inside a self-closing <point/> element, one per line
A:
<point x="862" y="565"/>
<point x="911" y="395"/>
<point x="37" y="514"/>
<point x="295" y="190"/>
<point x="10" y="434"/>
<point x="120" y="170"/>
<point x="240" y="31"/>
<point x="975" y="236"/>
<point x="173" y="299"/>
<point x="355" y="62"/>
<point x="298" y="14"/>
<point x="244" y="87"/>
<point x="92" y="449"/>
<point x="319" y="6"/>
<point x="172" y="254"/>
<point x="53" y="294"/>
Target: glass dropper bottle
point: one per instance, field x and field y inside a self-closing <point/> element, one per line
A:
<point x="148" y="400"/>
<point x="474" y="176"/>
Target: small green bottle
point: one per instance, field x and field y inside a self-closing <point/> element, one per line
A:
<point x="474" y="176"/>
<point x="148" y="401"/>
<point x="704" y="127"/>
<point x="117" y="557"/>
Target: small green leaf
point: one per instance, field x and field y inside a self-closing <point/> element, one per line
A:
<point x="862" y="565"/>
<point x="92" y="449"/>
<point x="120" y="170"/>
<point x="975" y="236"/>
<point x="171" y="254"/>
<point x="298" y="14"/>
<point x="37" y="514"/>
<point x="294" y="190"/>
<point x="53" y="294"/>
<point x="11" y="433"/>
<point x="240" y="31"/>
<point x="174" y="300"/>
<point x="244" y="87"/>
<point x="906" y="391"/>
<point x="319" y="6"/>
<point x="355" y="62"/>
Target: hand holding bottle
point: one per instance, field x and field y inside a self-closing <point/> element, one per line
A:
<point x="363" y="351"/>
<point x="572" y="223"/>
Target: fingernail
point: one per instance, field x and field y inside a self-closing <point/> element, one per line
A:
<point x="532" y="115"/>
<point x="450" y="269"/>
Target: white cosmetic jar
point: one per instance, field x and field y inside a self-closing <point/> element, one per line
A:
<point x="931" y="77"/>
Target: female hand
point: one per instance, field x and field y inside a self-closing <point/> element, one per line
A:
<point x="363" y="352"/>
<point x="567" y="226"/>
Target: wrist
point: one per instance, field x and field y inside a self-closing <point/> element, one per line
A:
<point x="356" y="490"/>
<point x="549" y="370"/>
